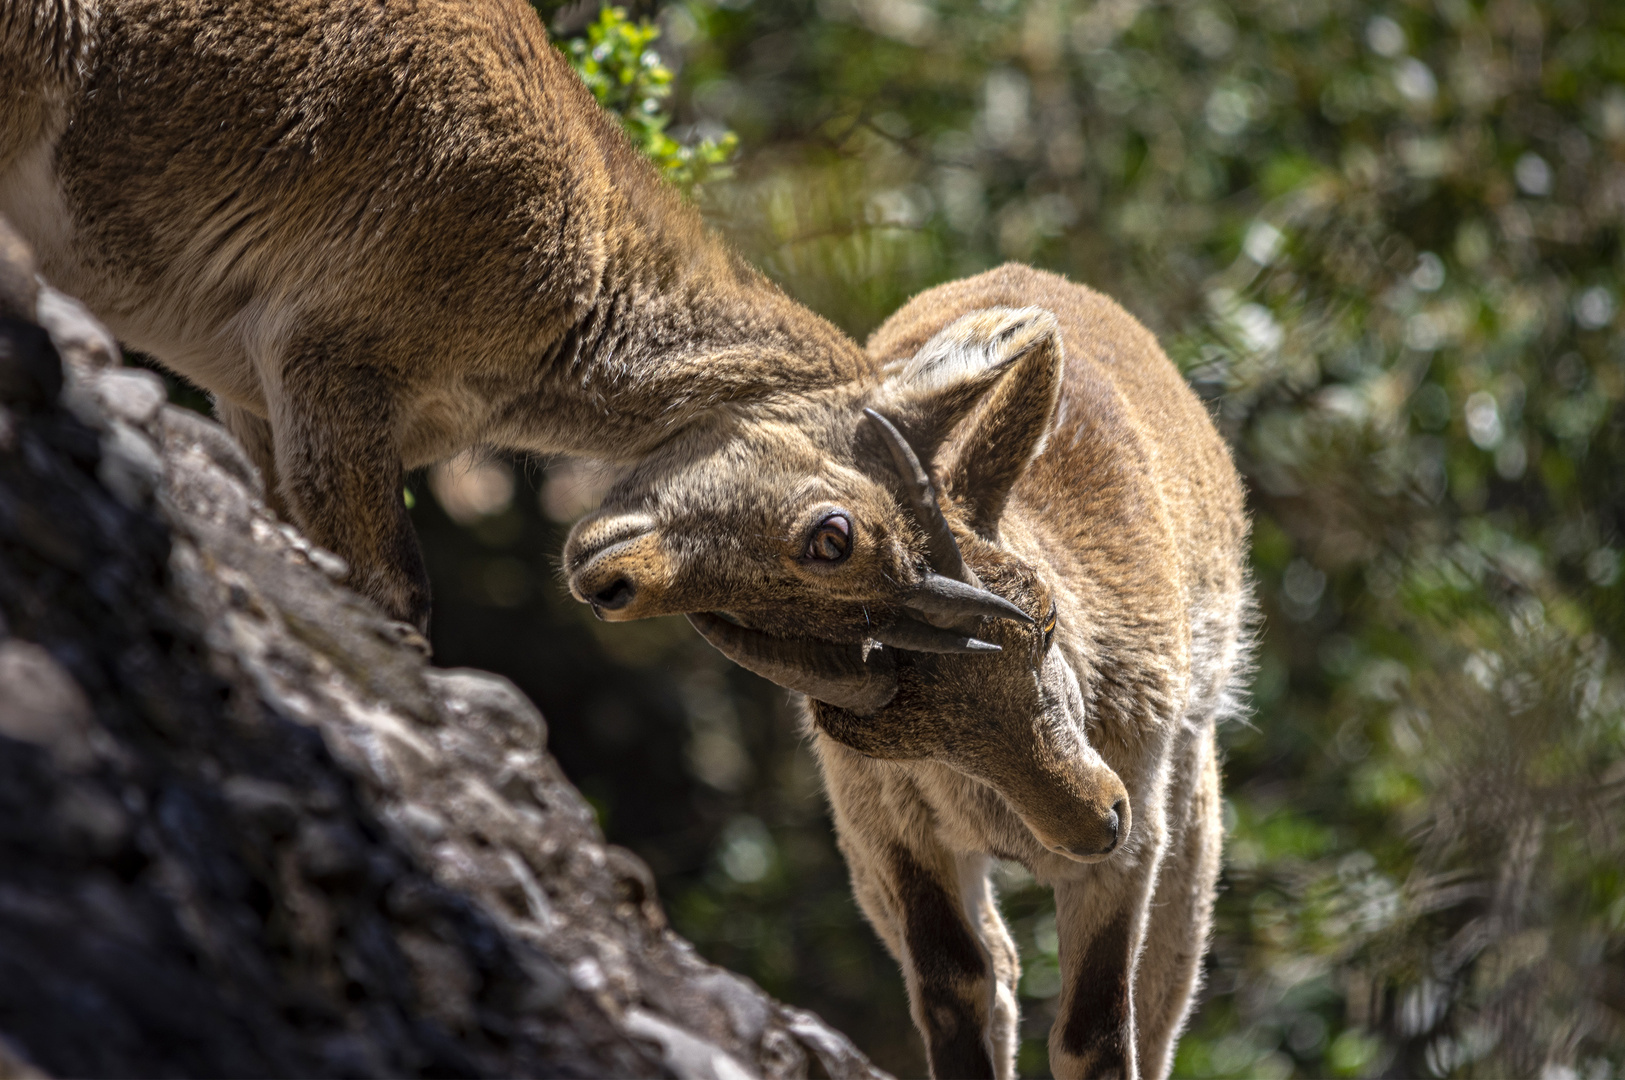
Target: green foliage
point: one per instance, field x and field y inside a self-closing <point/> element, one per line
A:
<point x="1385" y="239"/>
<point x="618" y="63"/>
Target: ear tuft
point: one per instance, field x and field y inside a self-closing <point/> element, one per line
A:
<point x="928" y="394"/>
<point x="975" y="347"/>
<point x="1011" y="422"/>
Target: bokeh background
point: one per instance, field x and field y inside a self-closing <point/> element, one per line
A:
<point x="1382" y="238"/>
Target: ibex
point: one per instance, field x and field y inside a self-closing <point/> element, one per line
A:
<point x="379" y="232"/>
<point x="1007" y="567"/>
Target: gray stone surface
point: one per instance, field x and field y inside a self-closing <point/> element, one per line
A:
<point x="244" y="828"/>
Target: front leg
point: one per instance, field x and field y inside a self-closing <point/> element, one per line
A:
<point x="254" y="434"/>
<point x="934" y="911"/>
<point x="340" y="473"/>
<point x="1100" y="922"/>
<point x="982" y="907"/>
<point x="952" y="984"/>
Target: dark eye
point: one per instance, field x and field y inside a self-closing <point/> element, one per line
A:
<point x="1049" y="624"/>
<point x="831" y="538"/>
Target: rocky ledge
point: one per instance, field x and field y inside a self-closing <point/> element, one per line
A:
<point x="246" y="829"/>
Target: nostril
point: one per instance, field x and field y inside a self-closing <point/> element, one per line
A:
<point x="614" y="596"/>
<point x="1114" y="825"/>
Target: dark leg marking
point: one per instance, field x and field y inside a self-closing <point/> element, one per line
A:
<point x="951" y="973"/>
<point x="1097" y="1027"/>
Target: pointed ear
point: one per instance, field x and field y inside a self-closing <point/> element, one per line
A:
<point x="928" y="394"/>
<point x="1001" y="367"/>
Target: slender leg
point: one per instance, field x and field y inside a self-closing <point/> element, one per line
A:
<point x="948" y="971"/>
<point x="254" y="433"/>
<point x="910" y="887"/>
<point x="1100" y="920"/>
<point x="341" y="474"/>
<point x="982" y="908"/>
<point x="868" y="889"/>
<point x="1181" y="912"/>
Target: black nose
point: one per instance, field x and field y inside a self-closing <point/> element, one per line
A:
<point x="1114" y="822"/>
<point x="614" y="596"/>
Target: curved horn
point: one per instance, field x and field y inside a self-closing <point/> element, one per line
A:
<point x="944" y="602"/>
<point x="922" y="499"/>
<point x="837" y="674"/>
<point x="907" y="633"/>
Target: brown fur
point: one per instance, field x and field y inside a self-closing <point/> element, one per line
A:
<point x="1078" y="470"/>
<point x="43" y="44"/>
<point x="378" y="232"/>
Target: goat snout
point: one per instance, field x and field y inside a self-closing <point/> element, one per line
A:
<point x="1113" y="827"/>
<point x="618" y="566"/>
<point x="615" y="596"/>
<point x="1092" y="831"/>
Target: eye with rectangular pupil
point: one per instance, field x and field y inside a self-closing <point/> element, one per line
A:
<point x="1049" y="623"/>
<point x="831" y="539"/>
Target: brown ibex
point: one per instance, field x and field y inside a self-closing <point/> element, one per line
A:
<point x="1007" y="566"/>
<point x="379" y="232"/>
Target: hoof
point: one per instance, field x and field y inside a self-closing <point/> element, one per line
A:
<point x="407" y="635"/>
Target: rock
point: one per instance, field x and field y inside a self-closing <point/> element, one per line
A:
<point x="689" y="1058"/>
<point x="41" y="704"/>
<point x="82" y="341"/>
<point x="131" y="468"/>
<point x="30" y="374"/>
<point x="244" y="826"/>
<point x="131" y="395"/>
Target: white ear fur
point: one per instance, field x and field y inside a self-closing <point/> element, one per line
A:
<point x="973" y="348"/>
<point x="1014" y="413"/>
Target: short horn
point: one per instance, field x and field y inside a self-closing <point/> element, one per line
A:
<point x="922" y="499"/>
<point x="907" y="633"/>
<point x="942" y="601"/>
<point x="836" y="674"/>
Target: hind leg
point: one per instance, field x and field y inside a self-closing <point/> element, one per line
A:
<point x="1181" y="912"/>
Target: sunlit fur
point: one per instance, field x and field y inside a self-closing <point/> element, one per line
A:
<point x="1078" y="470"/>
<point x="379" y="232"/>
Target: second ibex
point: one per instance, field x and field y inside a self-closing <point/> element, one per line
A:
<point x="1007" y="567"/>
